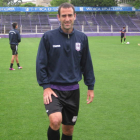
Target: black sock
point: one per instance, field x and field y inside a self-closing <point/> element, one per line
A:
<point x="11" y="65"/>
<point x="64" y="137"/>
<point x="52" y="134"/>
<point x="121" y="40"/>
<point x="124" y="39"/>
<point x="18" y="65"/>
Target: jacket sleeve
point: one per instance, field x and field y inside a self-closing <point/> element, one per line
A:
<point x="9" y="38"/>
<point x="42" y="63"/>
<point x="87" y="67"/>
<point x="19" y="38"/>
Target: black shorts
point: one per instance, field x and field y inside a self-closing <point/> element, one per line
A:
<point x="122" y="36"/>
<point x="67" y="103"/>
<point x="14" y="49"/>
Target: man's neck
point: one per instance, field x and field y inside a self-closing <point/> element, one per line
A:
<point x="67" y="31"/>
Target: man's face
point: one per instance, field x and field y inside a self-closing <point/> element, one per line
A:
<point x="67" y="18"/>
<point x="16" y="26"/>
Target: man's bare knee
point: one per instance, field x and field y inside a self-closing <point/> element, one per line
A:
<point x="55" y="123"/>
<point x="67" y="129"/>
<point x="55" y="120"/>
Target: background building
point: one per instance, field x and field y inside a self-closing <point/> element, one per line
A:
<point x="44" y="3"/>
<point x="32" y="1"/>
<point x="123" y="3"/>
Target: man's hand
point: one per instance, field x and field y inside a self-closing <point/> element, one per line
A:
<point x="47" y="95"/>
<point x="90" y="96"/>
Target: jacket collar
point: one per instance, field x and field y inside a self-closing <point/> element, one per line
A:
<point x="61" y="31"/>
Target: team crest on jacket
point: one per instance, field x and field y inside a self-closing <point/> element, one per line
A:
<point x="78" y="46"/>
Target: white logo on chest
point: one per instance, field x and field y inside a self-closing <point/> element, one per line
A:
<point x="56" y="46"/>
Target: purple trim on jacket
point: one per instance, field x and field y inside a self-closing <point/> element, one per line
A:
<point x="65" y="88"/>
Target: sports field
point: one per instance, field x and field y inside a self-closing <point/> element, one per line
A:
<point x="113" y="115"/>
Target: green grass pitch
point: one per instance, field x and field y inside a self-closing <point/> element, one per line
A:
<point x="113" y="115"/>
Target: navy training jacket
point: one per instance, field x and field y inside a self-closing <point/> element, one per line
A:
<point x="63" y="58"/>
<point x="14" y="37"/>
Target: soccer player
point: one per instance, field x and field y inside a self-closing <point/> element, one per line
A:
<point x="14" y="37"/>
<point x="63" y="56"/>
<point x="123" y="34"/>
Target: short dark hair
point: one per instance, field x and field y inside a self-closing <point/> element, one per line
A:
<point x="14" y="25"/>
<point x="124" y="27"/>
<point x="66" y="5"/>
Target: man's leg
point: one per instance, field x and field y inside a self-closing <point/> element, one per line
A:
<point x="67" y="132"/>
<point x="121" y="39"/>
<point x="13" y="48"/>
<point x="70" y="113"/>
<point x="12" y="59"/>
<point x="55" y="122"/>
<point x="124" y="39"/>
<point x="16" y="57"/>
<point x="12" y="62"/>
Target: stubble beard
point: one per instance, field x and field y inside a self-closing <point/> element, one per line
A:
<point x="68" y="28"/>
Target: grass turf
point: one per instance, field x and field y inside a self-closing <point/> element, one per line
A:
<point x="114" y="113"/>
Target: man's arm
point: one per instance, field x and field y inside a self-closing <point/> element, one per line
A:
<point x="90" y="96"/>
<point x="88" y="72"/>
<point x="9" y="38"/>
<point x="41" y="70"/>
<point x="121" y="31"/>
<point x="42" y="64"/>
<point x="87" y="67"/>
<point x="125" y="33"/>
<point x="19" y="38"/>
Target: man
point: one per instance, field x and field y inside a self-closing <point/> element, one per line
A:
<point x="63" y="56"/>
<point x="123" y="34"/>
<point x="14" y="38"/>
